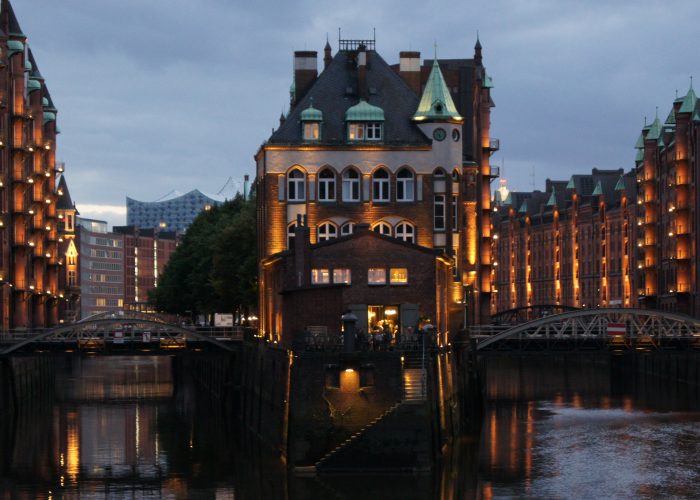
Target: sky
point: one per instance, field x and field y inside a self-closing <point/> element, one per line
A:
<point x="162" y="95"/>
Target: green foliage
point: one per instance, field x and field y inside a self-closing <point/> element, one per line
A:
<point x="214" y="268"/>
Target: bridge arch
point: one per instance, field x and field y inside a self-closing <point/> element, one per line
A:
<point x="593" y="323"/>
<point x="101" y="326"/>
<point x="526" y="313"/>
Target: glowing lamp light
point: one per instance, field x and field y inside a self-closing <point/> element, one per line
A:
<point x="30" y="180"/>
<point x="47" y="173"/>
<point x="48" y="201"/>
<point x="349" y="370"/>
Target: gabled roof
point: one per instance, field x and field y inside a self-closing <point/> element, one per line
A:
<point x="13" y="28"/>
<point x="620" y="186"/>
<point x="523" y="208"/>
<point x="598" y="189"/>
<point x="336" y="90"/>
<point x="64" y="201"/>
<point x="436" y="102"/>
<point x="640" y="142"/>
<point x="552" y="199"/>
<point x="671" y="118"/>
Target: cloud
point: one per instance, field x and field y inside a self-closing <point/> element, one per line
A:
<point x="115" y="215"/>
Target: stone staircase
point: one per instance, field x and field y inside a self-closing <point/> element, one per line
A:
<point x="414" y="383"/>
<point x="352" y="439"/>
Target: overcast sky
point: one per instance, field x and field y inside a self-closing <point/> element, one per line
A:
<point x="161" y="95"/>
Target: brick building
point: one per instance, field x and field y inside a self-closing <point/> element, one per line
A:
<point x="668" y="165"/>
<point x="146" y="252"/>
<point x="29" y="254"/>
<point x="575" y="244"/>
<point x="403" y="148"/>
<point x="68" y="278"/>
<point x="379" y="278"/>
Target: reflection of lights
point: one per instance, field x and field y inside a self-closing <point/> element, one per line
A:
<point x="390" y="312"/>
<point x="371" y="314"/>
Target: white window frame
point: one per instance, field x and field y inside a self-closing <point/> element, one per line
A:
<point x="405" y="231"/>
<point x="405" y="186"/>
<point x="439" y="212"/>
<point x="351" y="185"/>
<point x="290" y="234"/>
<point x="376" y="276"/>
<point x="326" y="231"/>
<point x="347" y="229"/>
<point x="356" y="131"/>
<point x="381" y="186"/>
<point x="373" y="131"/>
<point x="342" y="276"/>
<point x="383" y="228"/>
<point x="312" y="131"/>
<point x="326" y="185"/>
<point x="296" y="186"/>
<point x="320" y="276"/>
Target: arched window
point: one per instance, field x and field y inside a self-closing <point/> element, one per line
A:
<point x="290" y="234"/>
<point x="351" y="185"/>
<point x="439" y="172"/>
<point x="405" y="232"/>
<point x="404" y="185"/>
<point x="380" y="185"/>
<point x="326" y="185"/>
<point x="382" y="228"/>
<point x="455" y="175"/>
<point x="295" y="186"/>
<point x="326" y="231"/>
<point x="347" y="228"/>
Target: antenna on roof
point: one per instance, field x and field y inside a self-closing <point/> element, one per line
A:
<point x="338" y="35"/>
<point x="435" y="47"/>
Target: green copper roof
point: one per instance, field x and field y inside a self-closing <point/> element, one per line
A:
<point x="620" y="186"/>
<point x="598" y="189"/>
<point x="552" y="200"/>
<point x="640" y="142"/>
<point x="671" y="118"/>
<point x="655" y="131"/>
<point x="49" y="116"/>
<point x="44" y="101"/>
<point x="311" y="114"/>
<point x="570" y="184"/>
<point x="33" y="85"/>
<point x="696" y="117"/>
<point x="661" y="142"/>
<point x="28" y="65"/>
<point x="436" y="102"/>
<point x="689" y="101"/>
<point x="640" y="155"/>
<point x="508" y="200"/>
<point x="14" y="46"/>
<point x="488" y="82"/>
<point x="364" y="112"/>
<point x="523" y="208"/>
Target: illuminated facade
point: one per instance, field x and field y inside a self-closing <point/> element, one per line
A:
<point x="29" y="252"/>
<point x="146" y="252"/>
<point x="575" y="244"/>
<point x="404" y="149"/>
<point x="667" y="168"/>
<point x="69" y="276"/>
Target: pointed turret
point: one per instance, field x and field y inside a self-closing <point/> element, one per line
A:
<point x="65" y="208"/>
<point x="327" y="54"/>
<point x="655" y="130"/>
<point x="436" y="102"/>
<point x="689" y="101"/>
<point x="477" y="51"/>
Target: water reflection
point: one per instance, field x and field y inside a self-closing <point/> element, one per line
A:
<point x="556" y="427"/>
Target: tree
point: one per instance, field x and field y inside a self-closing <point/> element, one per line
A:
<point x="214" y="268"/>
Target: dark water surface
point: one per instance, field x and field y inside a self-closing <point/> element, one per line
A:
<point x="122" y="427"/>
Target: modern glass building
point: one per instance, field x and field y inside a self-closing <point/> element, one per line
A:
<point x="173" y="212"/>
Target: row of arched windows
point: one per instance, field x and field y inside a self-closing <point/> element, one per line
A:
<point x="381" y="187"/>
<point x="404" y="231"/>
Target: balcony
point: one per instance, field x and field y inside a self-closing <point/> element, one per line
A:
<point x="649" y="263"/>
<point x="494" y="145"/>
<point x="494" y="172"/>
<point x="682" y="180"/>
<point x="682" y="230"/>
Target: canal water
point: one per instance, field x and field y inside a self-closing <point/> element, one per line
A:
<point x="132" y="427"/>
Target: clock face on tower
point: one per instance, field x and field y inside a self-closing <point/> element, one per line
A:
<point x="455" y="134"/>
<point x="439" y="134"/>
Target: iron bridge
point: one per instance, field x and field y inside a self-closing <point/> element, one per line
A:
<point x="604" y="328"/>
<point x="111" y="333"/>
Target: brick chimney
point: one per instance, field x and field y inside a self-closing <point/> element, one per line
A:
<point x="409" y="69"/>
<point x="305" y="72"/>
<point x="302" y="252"/>
<point x="362" y="90"/>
